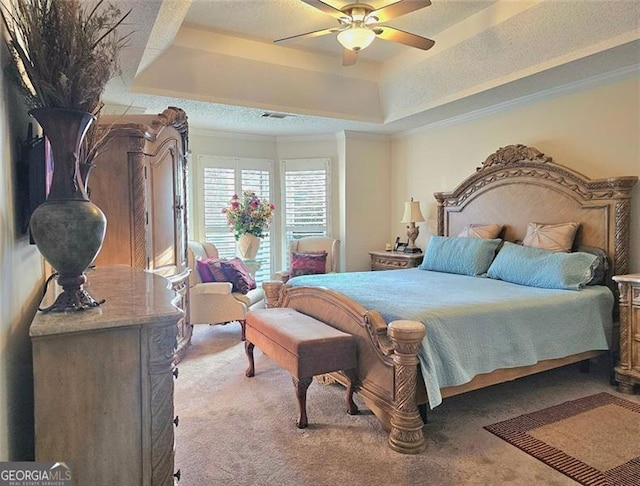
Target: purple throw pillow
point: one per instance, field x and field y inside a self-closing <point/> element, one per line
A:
<point x="238" y="274"/>
<point x="203" y="270"/>
<point x="308" y="263"/>
<point x="215" y="267"/>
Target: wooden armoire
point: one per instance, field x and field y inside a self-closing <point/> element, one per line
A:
<point x="139" y="182"/>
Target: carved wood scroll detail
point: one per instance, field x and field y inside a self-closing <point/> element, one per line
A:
<point x="138" y="197"/>
<point x="175" y="117"/>
<point x="272" y="294"/>
<point x="161" y="348"/>
<point x="603" y="189"/>
<point x="622" y="236"/>
<point x="625" y="304"/>
<point x="406" y="434"/>
<point x="512" y="154"/>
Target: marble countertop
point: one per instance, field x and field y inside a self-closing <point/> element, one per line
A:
<point x="133" y="297"/>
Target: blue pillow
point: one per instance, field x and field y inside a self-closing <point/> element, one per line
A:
<point x="465" y="256"/>
<point x="547" y="269"/>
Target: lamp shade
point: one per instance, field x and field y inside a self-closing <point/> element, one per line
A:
<point x="412" y="212"/>
<point x="356" y="38"/>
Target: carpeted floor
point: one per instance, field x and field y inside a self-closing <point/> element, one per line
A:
<point x="241" y="431"/>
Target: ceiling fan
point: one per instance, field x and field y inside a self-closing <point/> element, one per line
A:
<point x="360" y="23"/>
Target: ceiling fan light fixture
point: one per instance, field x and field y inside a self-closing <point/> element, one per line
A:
<point x="356" y="38"/>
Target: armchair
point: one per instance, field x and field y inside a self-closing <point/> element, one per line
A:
<point x="311" y="244"/>
<point x="214" y="302"/>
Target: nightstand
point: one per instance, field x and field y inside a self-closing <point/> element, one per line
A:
<point x="394" y="260"/>
<point x="628" y="367"/>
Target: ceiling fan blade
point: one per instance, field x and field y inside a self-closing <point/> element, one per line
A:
<point x="396" y="9"/>
<point x="396" y="35"/>
<point x="325" y="8"/>
<point x="349" y="57"/>
<point x="308" y="35"/>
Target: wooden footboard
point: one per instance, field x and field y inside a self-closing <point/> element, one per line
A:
<point x="387" y="376"/>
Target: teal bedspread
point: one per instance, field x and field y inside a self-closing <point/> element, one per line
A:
<point x="476" y="325"/>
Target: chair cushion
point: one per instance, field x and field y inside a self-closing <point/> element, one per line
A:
<point x="254" y="299"/>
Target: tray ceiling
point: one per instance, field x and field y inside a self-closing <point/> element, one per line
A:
<point x="216" y="59"/>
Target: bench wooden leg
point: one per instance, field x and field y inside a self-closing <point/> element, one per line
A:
<point x="243" y="324"/>
<point x="352" y="408"/>
<point x="248" y="348"/>
<point x="301" y="386"/>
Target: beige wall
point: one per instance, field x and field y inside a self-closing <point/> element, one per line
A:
<point x="595" y="131"/>
<point x="366" y="191"/>
<point x="21" y="277"/>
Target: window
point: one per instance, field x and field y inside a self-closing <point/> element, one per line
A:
<point x="221" y="178"/>
<point x="305" y="200"/>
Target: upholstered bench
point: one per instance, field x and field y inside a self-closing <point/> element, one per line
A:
<point x="303" y="346"/>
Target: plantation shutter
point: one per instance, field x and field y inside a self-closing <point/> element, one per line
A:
<point x="305" y="199"/>
<point x="222" y="178"/>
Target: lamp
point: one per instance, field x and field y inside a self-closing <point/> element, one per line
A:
<point x="356" y="38"/>
<point x="412" y="215"/>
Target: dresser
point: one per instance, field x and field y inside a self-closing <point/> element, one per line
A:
<point x="103" y="382"/>
<point x="627" y="370"/>
<point x="394" y="260"/>
<point x="139" y="182"/>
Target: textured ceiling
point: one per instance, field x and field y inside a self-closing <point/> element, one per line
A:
<point x="216" y="59"/>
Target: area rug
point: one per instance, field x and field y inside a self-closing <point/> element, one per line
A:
<point x="594" y="440"/>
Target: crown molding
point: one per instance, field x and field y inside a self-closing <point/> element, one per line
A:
<point x="547" y="94"/>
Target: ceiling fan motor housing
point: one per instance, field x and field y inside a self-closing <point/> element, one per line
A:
<point x="360" y="24"/>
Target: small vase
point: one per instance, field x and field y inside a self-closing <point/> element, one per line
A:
<point x="248" y="246"/>
<point x="68" y="228"/>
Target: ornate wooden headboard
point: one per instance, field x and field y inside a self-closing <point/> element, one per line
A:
<point x="519" y="184"/>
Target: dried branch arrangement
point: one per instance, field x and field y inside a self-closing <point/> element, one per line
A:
<point x="64" y="51"/>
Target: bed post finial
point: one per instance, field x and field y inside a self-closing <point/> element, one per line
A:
<point x="406" y="434"/>
<point x="272" y="293"/>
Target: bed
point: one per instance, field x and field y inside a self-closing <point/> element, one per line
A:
<point x="472" y="338"/>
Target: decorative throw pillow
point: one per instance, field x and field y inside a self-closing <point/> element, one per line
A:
<point x="238" y="274"/>
<point x="215" y="267"/>
<point x="536" y="267"/>
<point x="465" y="256"/>
<point x="308" y="263"/>
<point x="554" y="237"/>
<point x="487" y="231"/>
<point x="203" y="270"/>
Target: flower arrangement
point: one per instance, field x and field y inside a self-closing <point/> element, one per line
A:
<point x="249" y="214"/>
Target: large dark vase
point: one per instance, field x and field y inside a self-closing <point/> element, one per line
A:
<point x="68" y="228"/>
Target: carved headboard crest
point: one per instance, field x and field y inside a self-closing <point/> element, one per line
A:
<point x="512" y="154"/>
